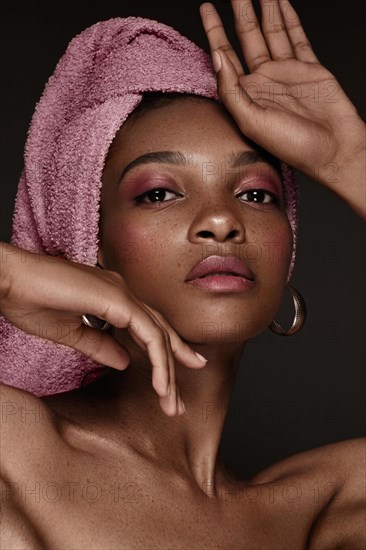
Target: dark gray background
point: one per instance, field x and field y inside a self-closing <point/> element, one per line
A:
<point x="292" y="393"/>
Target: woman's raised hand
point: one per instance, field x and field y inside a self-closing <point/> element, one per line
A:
<point x="289" y="103"/>
<point x="46" y="296"/>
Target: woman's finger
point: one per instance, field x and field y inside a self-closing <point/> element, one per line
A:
<point x="172" y="404"/>
<point x="266" y="126"/>
<point x="122" y="310"/>
<point x="168" y="402"/>
<point x="299" y="41"/>
<point x="182" y="352"/>
<point x="154" y="339"/>
<point x="274" y="31"/>
<point x="150" y="336"/>
<point x="255" y="121"/>
<point x="216" y="34"/>
<point x="100" y="347"/>
<point x="251" y="39"/>
<point x="82" y="289"/>
<point x="177" y="350"/>
<point x="233" y="95"/>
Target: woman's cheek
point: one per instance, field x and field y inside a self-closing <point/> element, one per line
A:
<point x="138" y="254"/>
<point x="276" y="250"/>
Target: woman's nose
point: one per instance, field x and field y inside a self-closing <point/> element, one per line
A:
<point x="217" y="224"/>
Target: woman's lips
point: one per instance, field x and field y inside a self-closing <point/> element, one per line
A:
<point x="221" y="274"/>
<point x="222" y="283"/>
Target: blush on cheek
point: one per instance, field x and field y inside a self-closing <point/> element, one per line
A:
<point x="275" y="249"/>
<point x="280" y="250"/>
<point x="129" y="249"/>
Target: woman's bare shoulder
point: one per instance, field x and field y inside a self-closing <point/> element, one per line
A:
<point x="337" y="457"/>
<point x="26" y="424"/>
<point x="335" y="476"/>
<point x="21" y="408"/>
<point x="338" y="469"/>
<point x="341" y="524"/>
<point x="16" y="531"/>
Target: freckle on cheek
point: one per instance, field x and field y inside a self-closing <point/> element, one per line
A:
<point x="282" y="245"/>
<point x="130" y="241"/>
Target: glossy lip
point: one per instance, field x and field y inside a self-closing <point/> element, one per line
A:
<point x="221" y="274"/>
<point x="231" y="266"/>
<point x="222" y="283"/>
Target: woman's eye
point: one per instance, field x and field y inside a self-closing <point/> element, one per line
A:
<point x="156" y="195"/>
<point x="260" y="196"/>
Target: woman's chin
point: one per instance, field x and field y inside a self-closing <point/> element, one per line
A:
<point x="219" y="332"/>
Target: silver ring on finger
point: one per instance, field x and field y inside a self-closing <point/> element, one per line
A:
<point x="94" y="322"/>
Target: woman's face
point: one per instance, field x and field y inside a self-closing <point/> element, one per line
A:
<point x="205" y="206"/>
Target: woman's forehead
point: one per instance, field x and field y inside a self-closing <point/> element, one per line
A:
<point x="186" y="124"/>
<point x="195" y="131"/>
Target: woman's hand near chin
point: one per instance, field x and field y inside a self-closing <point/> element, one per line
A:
<point x="289" y="103"/>
<point x="39" y="291"/>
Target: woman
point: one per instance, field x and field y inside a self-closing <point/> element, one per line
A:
<point x="121" y="459"/>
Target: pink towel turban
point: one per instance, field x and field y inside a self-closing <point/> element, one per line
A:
<point x="97" y="83"/>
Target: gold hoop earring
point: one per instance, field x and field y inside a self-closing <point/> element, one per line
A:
<point x="300" y="315"/>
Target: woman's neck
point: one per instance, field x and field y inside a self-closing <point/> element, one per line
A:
<point x="126" y="409"/>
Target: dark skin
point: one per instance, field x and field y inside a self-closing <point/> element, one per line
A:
<point x="113" y="430"/>
<point x="112" y="435"/>
<point x="197" y="217"/>
<point x="200" y="214"/>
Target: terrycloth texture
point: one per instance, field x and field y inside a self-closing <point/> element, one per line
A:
<point x="97" y="83"/>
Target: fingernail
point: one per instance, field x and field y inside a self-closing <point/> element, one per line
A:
<point x="201" y="358"/>
<point x="216" y="61"/>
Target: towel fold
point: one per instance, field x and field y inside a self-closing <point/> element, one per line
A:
<point x="97" y="83"/>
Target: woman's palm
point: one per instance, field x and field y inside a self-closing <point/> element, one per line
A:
<point x="289" y="103"/>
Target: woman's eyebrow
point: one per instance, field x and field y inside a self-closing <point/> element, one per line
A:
<point x="244" y="158"/>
